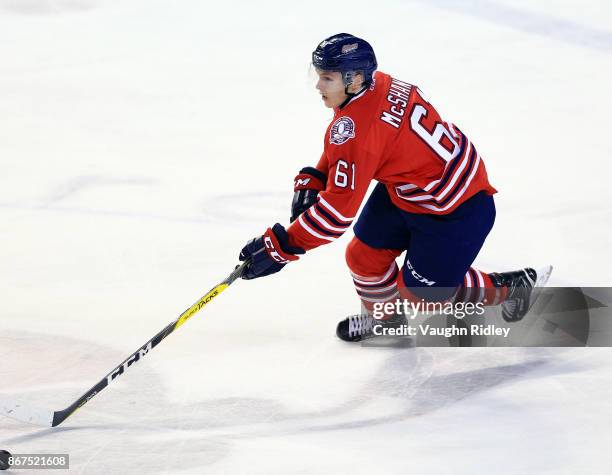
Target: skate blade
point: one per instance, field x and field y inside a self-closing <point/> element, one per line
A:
<point x="543" y="276"/>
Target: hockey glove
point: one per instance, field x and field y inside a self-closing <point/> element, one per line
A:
<point x="306" y="187"/>
<point x="268" y="253"/>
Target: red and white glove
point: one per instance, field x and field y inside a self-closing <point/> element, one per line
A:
<point x="306" y="187"/>
<point x="268" y="253"/>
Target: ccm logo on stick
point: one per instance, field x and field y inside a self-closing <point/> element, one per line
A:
<point x="118" y="371"/>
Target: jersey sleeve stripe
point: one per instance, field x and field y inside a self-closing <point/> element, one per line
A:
<point x="313" y="224"/>
<point x="313" y="212"/>
<point x="312" y="232"/>
<point x="332" y="210"/>
<point x="328" y="216"/>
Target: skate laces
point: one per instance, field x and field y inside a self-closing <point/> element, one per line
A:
<point x="360" y="324"/>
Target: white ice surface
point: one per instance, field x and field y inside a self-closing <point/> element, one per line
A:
<point x="143" y="142"/>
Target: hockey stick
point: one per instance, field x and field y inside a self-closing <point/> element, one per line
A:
<point x="48" y="418"/>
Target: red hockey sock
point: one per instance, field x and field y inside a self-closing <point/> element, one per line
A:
<point x="374" y="273"/>
<point x="478" y="288"/>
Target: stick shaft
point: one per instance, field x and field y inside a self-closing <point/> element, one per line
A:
<point x="54" y="418"/>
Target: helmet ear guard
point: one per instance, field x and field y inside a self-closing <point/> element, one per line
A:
<point x="348" y="76"/>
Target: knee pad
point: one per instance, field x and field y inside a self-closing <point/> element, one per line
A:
<point x="366" y="261"/>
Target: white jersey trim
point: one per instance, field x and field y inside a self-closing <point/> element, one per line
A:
<point x="309" y="230"/>
<point x="460" y="193"/>
<point x="464" y="161"/>
<point x="332" y="210"/>
<point x="325" y="224"/>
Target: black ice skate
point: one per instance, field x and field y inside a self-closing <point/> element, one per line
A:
<point x="360" y="327"/>
<point x="521" y="285"/>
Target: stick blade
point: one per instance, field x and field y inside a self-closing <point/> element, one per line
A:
<point x="24" y="413"/>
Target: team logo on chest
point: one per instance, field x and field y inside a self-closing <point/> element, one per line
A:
<point x="342" y="130"/>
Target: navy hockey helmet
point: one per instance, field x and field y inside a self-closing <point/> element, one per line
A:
<point x="346" y="54"/>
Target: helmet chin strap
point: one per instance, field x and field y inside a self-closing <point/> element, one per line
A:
<point x="347" y="78"/>
<point x="350" y="95"/>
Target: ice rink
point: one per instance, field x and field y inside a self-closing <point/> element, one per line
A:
<point x="142" y="142"/>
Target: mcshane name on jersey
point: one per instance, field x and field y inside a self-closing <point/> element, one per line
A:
<point x="398" y="101"/>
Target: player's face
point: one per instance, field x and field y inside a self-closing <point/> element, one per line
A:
<point x="331" y="88"/>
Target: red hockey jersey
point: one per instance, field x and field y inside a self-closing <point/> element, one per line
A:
<point x="392" y="134"/>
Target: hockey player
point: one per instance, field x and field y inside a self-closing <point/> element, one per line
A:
<point x="433" y="198"/>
